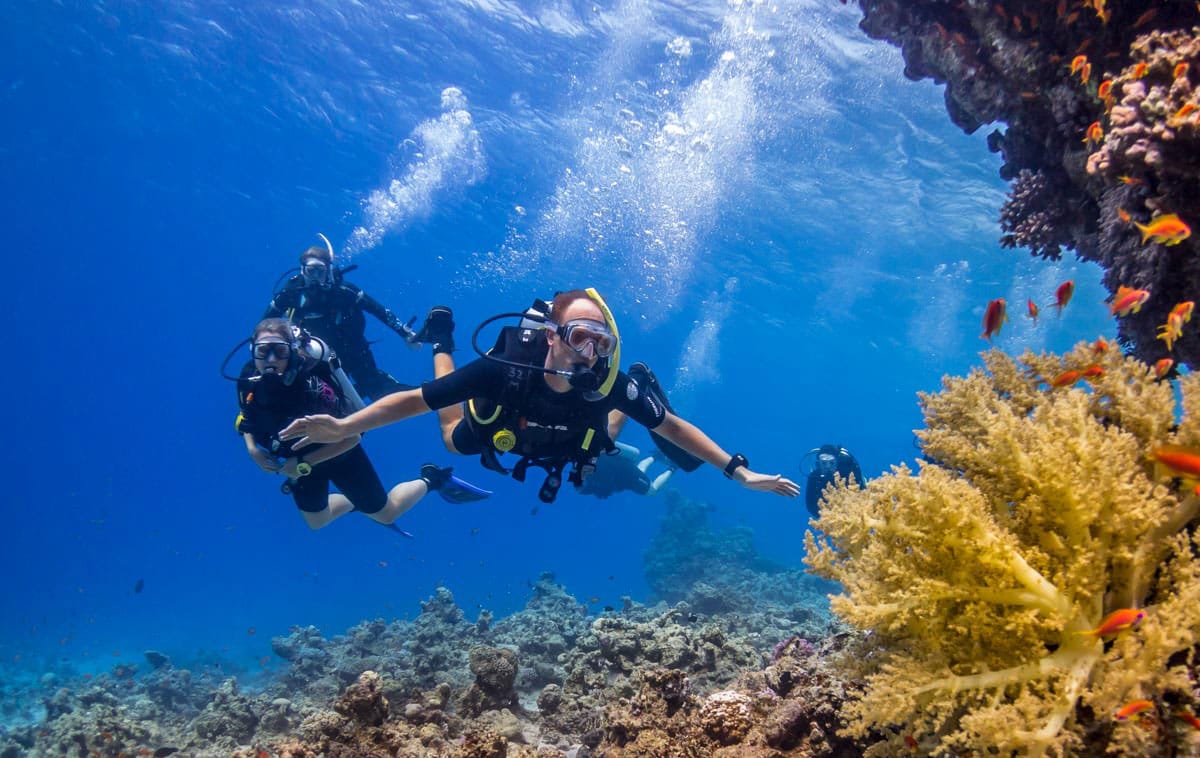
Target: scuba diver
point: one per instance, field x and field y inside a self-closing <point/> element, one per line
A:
<point x="318" y="299"/>
<point x="290" y="374"/>
<point x="827" y="460"/>
<point x="550" y="392"/>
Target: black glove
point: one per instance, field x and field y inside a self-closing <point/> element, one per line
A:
<point x="438" y="330"/>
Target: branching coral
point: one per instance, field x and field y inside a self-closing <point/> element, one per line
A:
<point x="1035" y="515"/>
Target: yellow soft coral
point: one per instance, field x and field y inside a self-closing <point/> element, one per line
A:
<point x="979" y="575"/>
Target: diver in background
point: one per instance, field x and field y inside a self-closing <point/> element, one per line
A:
<point x="625" y="469"/>
<point x="321" y="302"/>
<point x="828" y="460"/>
<point x="544" y="392"/>
<point x="290" y="375"/>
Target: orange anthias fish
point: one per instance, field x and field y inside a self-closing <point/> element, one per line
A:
<point x="1128" y="301"/>
<point x="1117" y="621"/>
<point x="1178" y="461"/>
<point x="1131" y="181"/>
<point x="1145" y="18"/>
<point x="1100" y="346"/>
<point x="1140" y="69"/>
<point x="1065" y="379"/>
<point x="1188" y="718"/>
<point x="1181" y="69"/>
<point x="1185" y="110"/>
<point x="1094" y="133"/>
<point x="1168" y="229"/>
<point x="1093" y="371"/>
<point x="1032" y="311"/>
<point x="1077" y="63"/>
<point x="1124" y="215"/>
<point x="1171" y="331"/>
<point x="1085" y="73"/>
<point x="993" y="318"/>
<point x="1184" y="310"/>
<point x="1062" y="295"/>
<point x="1132" y="708"/>
<point x="1105" y="89"/>
<point x="1162" y="367"/>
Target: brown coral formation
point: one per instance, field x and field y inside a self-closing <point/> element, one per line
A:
<point x="1053" y="73"/>
<point x="1037" y="514"/>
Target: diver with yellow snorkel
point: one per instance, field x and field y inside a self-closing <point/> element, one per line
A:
<point x="550" y="391"/>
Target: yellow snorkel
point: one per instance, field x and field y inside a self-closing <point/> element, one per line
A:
<point x="614" y="361"/>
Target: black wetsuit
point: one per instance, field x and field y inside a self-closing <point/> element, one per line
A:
<point x="335" y="315"/>
<point x="267" y="406"/>
<point x="550" y="423"/>
<point x="847" y="466"/>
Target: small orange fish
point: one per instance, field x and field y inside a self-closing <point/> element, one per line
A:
<point x="1178" y="461"/>
<point x="1085" y="73"/>
<point x="1065" y="379"/>
<point x="1016" y="22"/>
<point x="1186" y="110"/>
<point x="910" y="741"/>
<point x="999" y="9"/>
<point x="1184" y="310"/>
<point x="1117" y="621"/>
<point x="1168" y="229"/>
<point x="1124" y="215"/>
<point x="1093" y="371"/>
<point x="1129" y="180"/>
<point x="1061" y="9"/>
<point x="1031" y="311"/>
<point x="1128" y="301"/>
<point x="994" y="317"/>
<point x="1077" y="63"/>
<point x="1132" y="708"/>
<point x="1140" y="69"/>
<point x="1146" y="17"/>
<point x="1162" y="367"/>
<point x="1100" y="346"/>
<point x="1105" y="89"/>
<point x="1062" y="295"/>
<point x="1094" y="133"/>
<point x="1171" y="331"/>
<point x="1072" y="17"/>
<point x="1181" y="69"/>
<point x="1189" y="719"/>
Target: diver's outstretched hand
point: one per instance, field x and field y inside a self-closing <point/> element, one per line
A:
<point x="776" y="483"/>
<point x="309" y="429"/>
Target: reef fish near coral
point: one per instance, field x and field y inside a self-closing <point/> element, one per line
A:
<point x="1168" y="229"/>
<point x="994" y="317"/>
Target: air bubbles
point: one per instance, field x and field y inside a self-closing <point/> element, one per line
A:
<point x="680" y="47"/>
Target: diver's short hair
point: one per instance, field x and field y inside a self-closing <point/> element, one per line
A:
<point x="563" y="300"/>
<point x="279" y="327"/>
<point x="319" y="252"/>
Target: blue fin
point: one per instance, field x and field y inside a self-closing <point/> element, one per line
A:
<point x="457" y="490"/>
<point x="398" y="530"/>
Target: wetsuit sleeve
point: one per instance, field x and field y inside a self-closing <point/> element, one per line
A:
<point x="479" y="378"/>
<point x="370" y="305"/>
<point x="636" y="403"/>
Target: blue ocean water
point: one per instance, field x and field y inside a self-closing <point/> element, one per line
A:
<point x="792" y="234"/>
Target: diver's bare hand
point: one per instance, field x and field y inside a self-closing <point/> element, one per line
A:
<point x="766" y="482"/>
<point x="309" y="429"/>
<point x="264" y="461"/>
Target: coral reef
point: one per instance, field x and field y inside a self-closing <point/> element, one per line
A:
<point x="983" y="579"/>
<point x="737" y="665"/>
<point x="1099" y="104"/>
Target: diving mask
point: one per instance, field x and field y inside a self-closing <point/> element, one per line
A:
<point x="316" y="272"/>
<point x="826" y="464"/>
<point x="267" y="350"/>
<point x="579" y="333"/>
